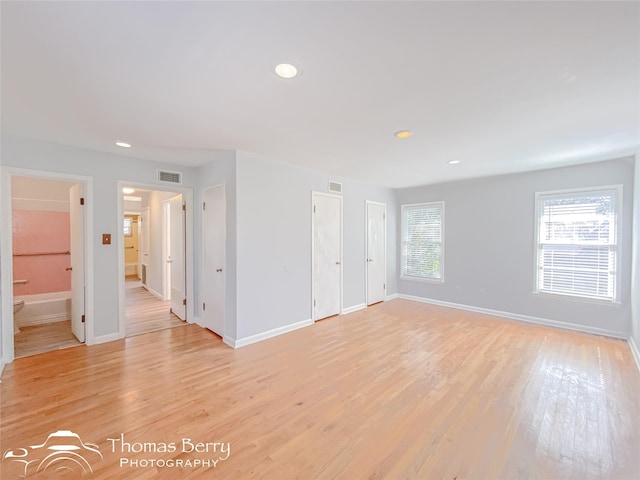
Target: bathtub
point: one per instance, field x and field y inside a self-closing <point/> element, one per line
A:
<point x="44" y="308"/>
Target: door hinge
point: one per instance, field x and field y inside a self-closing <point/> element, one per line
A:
<point x="384" y="286"/>
<point x="314" y="209"/>
<point x="184" y="207"/>
<point x="81" y="201"/>
<point x="204" y="205"/>
<point x="314" y="302"/>
<point x="204" y="306"/>
<point x="83" y="319"/>
<point x="384" y="216"/>
<point x="184" y="301"/>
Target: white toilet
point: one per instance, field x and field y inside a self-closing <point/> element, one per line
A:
<point x="17" y="306"/>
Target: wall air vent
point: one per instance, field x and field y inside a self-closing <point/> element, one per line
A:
<point x="169" y="177"/>
<point x="335" y="187"/>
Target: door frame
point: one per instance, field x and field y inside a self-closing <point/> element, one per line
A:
<point x="6" y="251"/>
<point x="366" y="248"/>
<point x="224" y="255"/>
<point x="187" y="198"/>
<point x="315" y="194"/>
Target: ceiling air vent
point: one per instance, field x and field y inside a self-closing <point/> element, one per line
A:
<point x="335" y="187"/>
<point x="169" y="177"/>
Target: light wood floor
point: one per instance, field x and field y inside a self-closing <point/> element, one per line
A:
<point x="44" y="338"/>
<point x="144" y="312"/>
<point x="399" y="390"/>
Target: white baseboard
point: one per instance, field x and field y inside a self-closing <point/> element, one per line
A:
<point x="634" y="351"/>
<point x="355" y="308"/>
<point x="523" y="318"/>
<point x="106" y="338"/>
<point x="229" y="341"/>
<point x="196" y="320"/>
<point x="153" y="292"/>
<point x="1" y="368"/>
<point x="44" y="319"/>
<point x="241" y="342"/>
<point x="393" y="296"/>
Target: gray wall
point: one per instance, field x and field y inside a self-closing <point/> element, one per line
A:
<point x="274" y="233"/>
<point x="105" y="170"/>
<point x="635" y="283"/>
<point x="489" y="244"/>
<point x="220" y="171"/>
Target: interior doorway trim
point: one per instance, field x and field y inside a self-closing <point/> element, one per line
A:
<point x="187" y="197"/>
<point x="6" y="252"/>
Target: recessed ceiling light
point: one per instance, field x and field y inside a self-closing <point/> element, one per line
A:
<point x="128" y="190"/>
<point x="286" y="70"/>
<point x="453" y="162"/>
<point x="123" y="144"/>
<point x="403" y="134"/>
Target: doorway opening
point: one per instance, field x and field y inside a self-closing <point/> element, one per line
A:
<point x="154" y="240"/>
<point x="48" y="264"/>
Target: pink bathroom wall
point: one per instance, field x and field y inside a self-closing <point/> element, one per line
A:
<point x="36" y="231"/>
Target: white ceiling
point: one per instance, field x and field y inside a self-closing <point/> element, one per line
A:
<point x="500" y="86"/>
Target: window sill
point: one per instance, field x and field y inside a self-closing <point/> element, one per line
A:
<point x="575" y="298"/>
<point x="422" y="279"/>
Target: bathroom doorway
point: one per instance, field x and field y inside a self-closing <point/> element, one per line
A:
<point x="47" y="229"/>
<point x="153" y="236"/>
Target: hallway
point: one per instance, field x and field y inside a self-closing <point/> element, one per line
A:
<point x="144" y="312"/>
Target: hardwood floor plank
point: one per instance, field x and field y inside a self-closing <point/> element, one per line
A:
<point x="399" y="390"/>
<point x="144" y="312"/>
<point x="35" y="339"/>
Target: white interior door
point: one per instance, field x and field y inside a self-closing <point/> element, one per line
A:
<point x="166" y="250"/>
<point x="376" y="252"/>
<point x="76" y="217"/>
<point x="214" y="238"/>
<point x="327" y="255"/>
<point x="145" y="243"/>
<point x="177" y="249"/>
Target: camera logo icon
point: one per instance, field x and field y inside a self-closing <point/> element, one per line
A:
<point x="62" y="452"/>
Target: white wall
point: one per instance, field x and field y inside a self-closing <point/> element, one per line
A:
<point x="105" y="170"/>
<point x="40" y="194"/>
<point x="274" y="242"/>
<point x="132" y="206"/>
<point x="489" y="245"/>
<point x="635" y="282"/>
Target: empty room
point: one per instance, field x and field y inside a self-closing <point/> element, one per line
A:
<point x="320" y="240"/>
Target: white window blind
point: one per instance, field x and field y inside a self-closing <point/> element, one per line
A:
<point x="126" y="229"/>
<point x="578" y="242"/>
<point x="422" y="241"/>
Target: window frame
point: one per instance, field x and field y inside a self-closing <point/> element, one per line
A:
<point x="403" y="233"/>
<point x="569" y="193"/>
<point x="124" y="226"/>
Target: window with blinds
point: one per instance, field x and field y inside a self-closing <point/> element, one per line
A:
<point x="422" y="241"/>
<point x="577" y="244"/>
